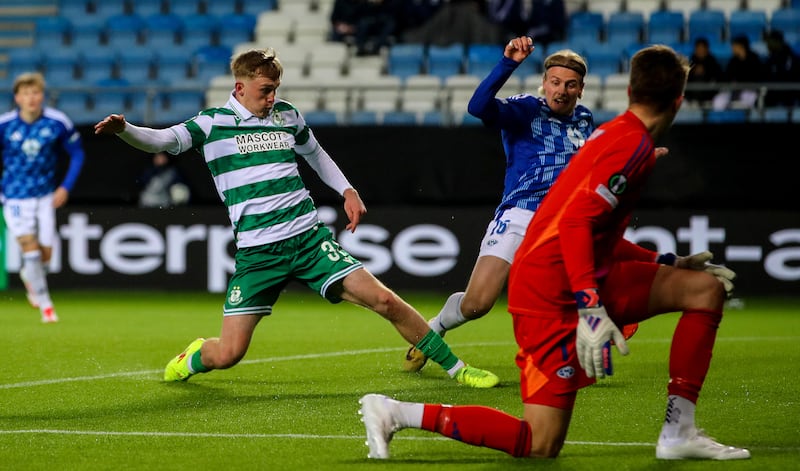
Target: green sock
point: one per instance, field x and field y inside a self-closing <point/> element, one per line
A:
<point x="434" y="347"/>
<point x="195" y="364"/>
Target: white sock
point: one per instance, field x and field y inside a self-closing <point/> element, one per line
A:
<point x="450" y="316"/>
<point x="459" y="364"/>
<point x="33" y="273"/>
<point x="679" y="418"/>
<point x="407" y="414"/>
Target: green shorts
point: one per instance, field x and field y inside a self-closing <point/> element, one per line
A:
<point x="313" y="258"/>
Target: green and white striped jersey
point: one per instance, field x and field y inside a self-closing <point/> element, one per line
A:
<point x="253" y="162"/>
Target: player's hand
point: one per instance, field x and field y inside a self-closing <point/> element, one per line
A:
<point x="354" y="208"/>
<point x="595" y="332"/>
<point x="702" y="262"/>
<point x="60" y="197"/>
<point x="661" y="152"/>
<point x="111" y="124"/>
<point x="519" y="48"/>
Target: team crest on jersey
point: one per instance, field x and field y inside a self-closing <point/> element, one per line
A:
<point x="565" y="372"/>
<point x="277" y="118"/>
<point x="31" y="148"/>
<point x="236" y="296"/>
<point x="618" y="183"/>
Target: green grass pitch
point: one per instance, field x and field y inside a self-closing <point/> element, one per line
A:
<point x="86" y="393"/>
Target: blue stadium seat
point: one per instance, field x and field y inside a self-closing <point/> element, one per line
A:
<point x="726" y="116"/>
<point x="433" y="118"/>
<point x="61" y="66"/>
<point x="184" y="7"/>
<point x="162" y="30"/>
<point x="74" y="103"/>
<point x="221" y="7"/>
<point x="199" y="31"/>
<point x="601" y="116"/>
<point x="722" y="51"/>
<point x="467" y="119"/>
<point x="399" y="118"/>
<point x="624" y="28"/>
<point x="750" y="23"/>
<point x="194" y="99"/>
<point x="172" y="65"/>
<point x="405" y="60"/>
<point x="481" y="58"/>
<point x="604" y="59"/>
<point x="363" y="118"/>
<point x="98" y="65"/>
<point x="24" y="60"/>
<point x="104" y="9"/>
<point x="665" y="27"/>
<point x="256" y="7"/>
<point x="122" y="31"/>
<point x="585" y="26"/>
<point x="211" y="61"/>
<point x="145" y="8"/>
<point x="444" y="61"/>
<point x="135" y="64"/>
<point x="707" y="23"/>
<point x="51" y="32"/>
<point x="238" y="28"/>
<point x="321" y="118"/>
<point x="787" y="20"/>
<point x="73" y="9"/>
<point x="86" y="35"/>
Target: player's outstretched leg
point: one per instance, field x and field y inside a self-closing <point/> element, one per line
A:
<point x="180" y="367"/>
<point x="449" y="317"/>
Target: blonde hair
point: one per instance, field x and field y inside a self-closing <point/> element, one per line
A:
<point x="257" y="62"/>
<point x="565" y="58"/>
<point x="27" y="79"/>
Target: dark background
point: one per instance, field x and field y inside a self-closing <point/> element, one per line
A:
<point x="725" y="166"/>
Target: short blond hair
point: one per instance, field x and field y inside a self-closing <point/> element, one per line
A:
<point x="257" y="62"/>
<point x="27" y="79"/>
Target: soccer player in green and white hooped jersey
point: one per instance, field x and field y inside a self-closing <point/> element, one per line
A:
<point x="251" y="145"/>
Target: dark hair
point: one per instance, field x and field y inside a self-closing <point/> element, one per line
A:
<point x="658" y="76"/>
<point x="742" y="40"/>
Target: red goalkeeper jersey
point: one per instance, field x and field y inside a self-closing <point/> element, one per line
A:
<point x="577" y="232"/>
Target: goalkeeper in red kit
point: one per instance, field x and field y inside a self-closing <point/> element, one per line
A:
<point x="575" y="280"/>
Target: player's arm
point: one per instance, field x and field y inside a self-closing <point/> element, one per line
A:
<point x="143" y="138"/>
<point x="484" y="104"/>
<point x="72" y="146"/>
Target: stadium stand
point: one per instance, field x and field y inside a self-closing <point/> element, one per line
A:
<point x="147" y="44"/>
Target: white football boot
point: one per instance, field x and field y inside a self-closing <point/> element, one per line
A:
<point x="376" y="413"/>
<point x="697" y="445"/>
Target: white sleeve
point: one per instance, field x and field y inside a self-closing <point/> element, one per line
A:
<point x="152" y="140"/>
<point x="326" y="168"/>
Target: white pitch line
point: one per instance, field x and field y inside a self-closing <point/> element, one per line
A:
<point x="300" y="436"/>
<point x="44" y="382"/>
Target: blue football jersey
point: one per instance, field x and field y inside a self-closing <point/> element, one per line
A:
<point x="31" y="151"/>
<point x="538" y="143"/>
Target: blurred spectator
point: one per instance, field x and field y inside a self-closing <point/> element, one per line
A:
<point x="744" y="67"/>
<point x="457" y="21"/>
<point x="163" y="185"/>
<point x="782" y="66"/>
<point x="369" y="24"/>
<point x="416" y="12"/>
<point x="543" y="20"/>
<point x="705" y="70"/>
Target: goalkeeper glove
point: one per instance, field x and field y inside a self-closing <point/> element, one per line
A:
<point x="701" y="262"/>
<point x="595" y="332"/>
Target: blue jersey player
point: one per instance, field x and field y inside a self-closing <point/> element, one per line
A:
<point x="32" y="139"/>
<point x="539" y="134"/>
